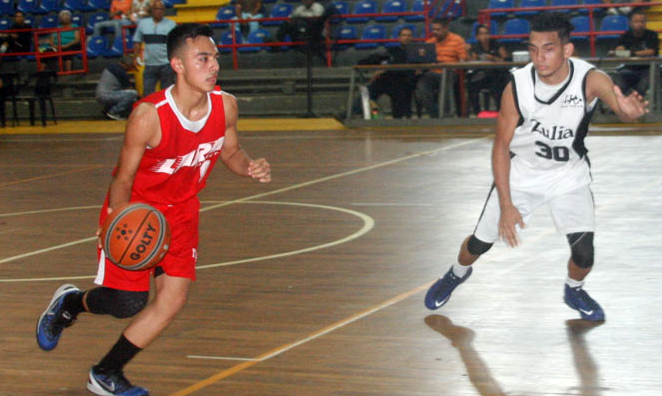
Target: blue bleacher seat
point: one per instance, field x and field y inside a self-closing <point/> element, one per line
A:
<point x="392" y="6"/>
<point x="226" y="39"/>
<point x="280" y="10"/>
<point x="48" y="6"/>
<point x="417" y="6"/>
<point x="500" y="4"/>
<point x="346" y="33"/>
<point x="76" y="5"/>
<point x="342" y="8"/>
<point x="255" y="37"/>
<point x="224" y="13"/>
<point x="450" y="9"/>
<point x="5" y="23"/>
<point x="582" y="25"/>
<point x="395" y="33"/>
<point x="48" y="21"/>
<point x="371" y="32"/>
<point x="592" y="2"/>
<point x="6" y="7"/>
<point x="564" y="3"/>
<point x="29" y="20"/>
<point x="93" y="19"/>
<point x="515" y="26"/>
<point x="100" y="5"/>
<point x="78" y="19"/>
<point x="363" y="7"/>
<point x="613" y="23"/>
<point x="28" y="6"/>
<point x="96" y="46"/>
<point x="116" y="49"/>
<point x="530" y="3"/>
<point x="494" y="30"/>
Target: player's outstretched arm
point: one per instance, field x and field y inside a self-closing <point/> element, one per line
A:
<point x="232" y="155"/>
<point x="143" y="129"/>
<point x="627" y="108"/>
<point x="506" y="124"/>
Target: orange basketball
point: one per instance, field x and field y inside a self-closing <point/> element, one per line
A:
<point x="135" y="236"/>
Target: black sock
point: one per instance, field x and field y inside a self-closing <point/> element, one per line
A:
<point x="73" y="303"/>
<point x="118" y="357"/>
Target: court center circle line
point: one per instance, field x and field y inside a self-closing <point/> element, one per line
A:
<point x="368" y="225"/>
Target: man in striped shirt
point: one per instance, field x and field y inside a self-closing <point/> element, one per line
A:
<point x="450" y="48"/>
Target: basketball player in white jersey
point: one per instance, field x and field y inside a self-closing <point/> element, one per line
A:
<point x="539" y="158"/>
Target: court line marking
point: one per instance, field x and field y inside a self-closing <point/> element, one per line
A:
<point x="219" y="358"/>
<point x="85" y="169"/>
<point x="284" y="189"/>
<point x="368" y="225"/>
<point x="284" y="348"/>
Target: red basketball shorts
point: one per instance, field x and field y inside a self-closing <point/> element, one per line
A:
<point x="180" y="260"/>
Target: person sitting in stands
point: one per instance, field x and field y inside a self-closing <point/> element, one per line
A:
<point x="247" y="9"/>
<point x="486" y="49"/>
<point x="115" y="91"/>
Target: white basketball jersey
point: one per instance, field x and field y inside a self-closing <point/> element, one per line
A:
<point x="548" y="143"/>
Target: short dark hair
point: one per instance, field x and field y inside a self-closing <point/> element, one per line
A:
<point x="442" y="21"/>
<point x="553" y="22"/>
<point x="177" y="36"/>
<point x="637" y="12"/>
<point x="481" y="26"/>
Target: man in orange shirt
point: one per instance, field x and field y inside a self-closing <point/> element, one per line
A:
<point x="119" y="16"/>
<point x="450" y="48"/>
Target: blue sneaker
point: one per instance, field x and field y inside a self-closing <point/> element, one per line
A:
<point x="112" y="384"/>
<point x="441" y="290"/>
<point x="54" y="319"/>
<point x="576" y="298"/>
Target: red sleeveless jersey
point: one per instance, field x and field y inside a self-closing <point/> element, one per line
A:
<point x="177" y="169"/>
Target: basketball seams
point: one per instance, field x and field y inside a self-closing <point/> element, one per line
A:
<point x="133" y="238"/>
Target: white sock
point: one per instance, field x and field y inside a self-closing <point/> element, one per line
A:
<point x="573" y="283"/>
<point x="460" y="270"/>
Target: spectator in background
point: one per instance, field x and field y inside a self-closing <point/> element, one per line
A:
<point x="397" y="84"/>
<point x="151" y="35"/>
<point x="66" y="40"/>
<point x="248" y="9"/>
<point x="486" y="49"/>
<point x="306" y="22"/>
<point x="120" y="11"/>
<point x="115" y="91"/>
<point x="641" y="42"/>
<point x="17" y="41"/>
<point x="623" y="10"/>
<point x="450" y="48"/>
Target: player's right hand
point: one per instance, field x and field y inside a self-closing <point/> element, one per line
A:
<point x="510" y="217"/>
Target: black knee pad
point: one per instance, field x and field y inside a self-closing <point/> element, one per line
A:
<point x="118" y="303"/>
<point x="581" y="247"/>
<point x="476" y="246"/>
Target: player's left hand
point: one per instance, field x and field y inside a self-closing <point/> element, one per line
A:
<point x="260" y="169"/>
<point x="633" y="105"/>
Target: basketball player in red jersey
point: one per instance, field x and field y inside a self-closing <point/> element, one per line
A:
<point x="173" y="139"/>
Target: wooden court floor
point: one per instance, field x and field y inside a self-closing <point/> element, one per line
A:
<point x="313" y="284"/>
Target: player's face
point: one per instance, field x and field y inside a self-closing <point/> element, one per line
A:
<point x="549" y="55"/>
<point x="199" y="60"/>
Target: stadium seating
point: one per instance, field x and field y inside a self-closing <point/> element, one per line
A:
<point x="99" y="5"/>
<point x="48" y="6"/>
<point x="417" y="6"/>
<point x="226" y="39"/>
<point x="363" y="7"/>
<point x="529" y="3"/>
<point x="342" y="8"/>
<point x="500" y="4"/>
<point x="28" y="6"/>
<point x="6" y="7"/>
<point x="48" y="21"/>
<point x="255" y="37"/>
<point x="5" y="23"/>
<point x="564" y="3"/>
<point x="224" y="13"/>
<point x="96" y="46"/>
<point x="592" y="2"/>
<point x="346" y="33"/>
<point x="395" y="33"/>
<point x="613" y="23"/>
<point x="392" y="6"/>
<point x="371" y="32"/>
<point x="515" y="26"/>
<point x="116" y="49"/>
<point x="582" y="25"/>
<point x="280" y="10"/>
<point x="76" y="5"/>
<point x="95" y="18"/>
